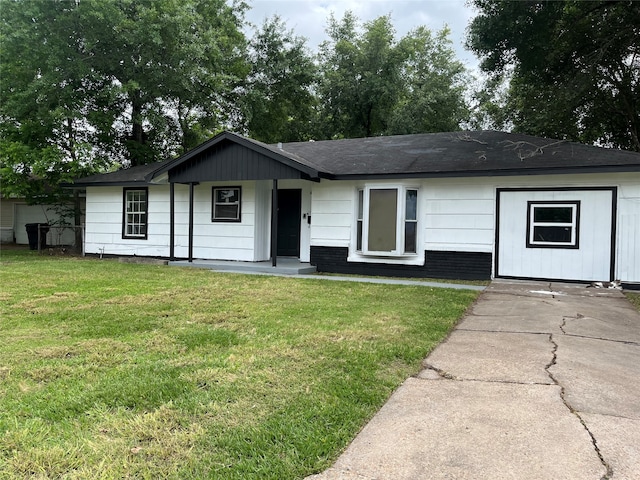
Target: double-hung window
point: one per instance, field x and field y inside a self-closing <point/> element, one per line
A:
<point x="134" y="221"/>
<point x="553" y="224"/>
<point x="387" y="221"/>
<point x="226" y="204"/>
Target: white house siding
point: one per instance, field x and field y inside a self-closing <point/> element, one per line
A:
<point x="459" y="214"/>
<point x="103" y="227"/>
<point x="627" y="256"/>
<point x="262" y="216"/>
<point x="628" y="235"/>
<point x="216" y="240"/>
<point x="455" y="215"/>
<point x="332" y="213"/>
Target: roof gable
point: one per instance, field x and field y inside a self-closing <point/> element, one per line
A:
<point x="231" y="157"/>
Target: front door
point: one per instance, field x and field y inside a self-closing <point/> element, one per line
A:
<point x="289" y="211"/>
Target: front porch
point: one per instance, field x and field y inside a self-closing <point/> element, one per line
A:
<point x="284" y="266"/>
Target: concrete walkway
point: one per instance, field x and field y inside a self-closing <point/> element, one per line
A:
<point x="538" y="381"/>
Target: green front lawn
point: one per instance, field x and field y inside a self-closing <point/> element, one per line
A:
<point x="112" y="370"/>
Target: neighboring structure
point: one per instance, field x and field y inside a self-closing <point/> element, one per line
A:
<point x="466" y="205"/>
<point x="15" y="213"/>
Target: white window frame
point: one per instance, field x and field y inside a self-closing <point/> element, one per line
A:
<point x="135" y="213"/>
<point x="362" y="221"/>
<point x="574" y="224"/>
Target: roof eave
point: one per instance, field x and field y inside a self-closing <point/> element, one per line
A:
<point x="488" y="173"/>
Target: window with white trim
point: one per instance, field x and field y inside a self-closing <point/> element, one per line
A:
<point x="134" y="222"/>
<point x="553" y="224"/>
<point x="226" y="204"/>
<point x="387" y="221"/>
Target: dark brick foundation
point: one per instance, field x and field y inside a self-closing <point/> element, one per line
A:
<point x="447" y="265"/>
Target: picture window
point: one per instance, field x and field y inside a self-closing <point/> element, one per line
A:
<point x="387" y="221"/>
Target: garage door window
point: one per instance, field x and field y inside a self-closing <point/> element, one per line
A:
<point x="553" y="224"/>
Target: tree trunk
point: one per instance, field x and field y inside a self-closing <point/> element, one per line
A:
<point x="137" y="139"/>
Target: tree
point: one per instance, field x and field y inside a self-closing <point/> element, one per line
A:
<point x="435" y="82"/>
<point x="575" y="66"/>
<point x="372" y="84"/>
<point x="279" y="101"/>
<point x="360" y="77"/>
<point x="139" y="80"/>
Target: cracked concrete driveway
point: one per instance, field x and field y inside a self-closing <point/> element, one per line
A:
<point x="538" y="381"/>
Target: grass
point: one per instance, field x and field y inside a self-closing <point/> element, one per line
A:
<point x="634" y="298"/>
<point x="112" y="370"/>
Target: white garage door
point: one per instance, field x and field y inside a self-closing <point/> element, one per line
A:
<point x="563" y="234"/>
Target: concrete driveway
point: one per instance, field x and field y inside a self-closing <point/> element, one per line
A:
<point x="538" y="381"/>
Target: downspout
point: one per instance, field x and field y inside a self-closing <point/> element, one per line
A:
<point x="274" y="223"/>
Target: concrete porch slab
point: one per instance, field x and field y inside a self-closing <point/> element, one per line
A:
<point x="284" y="266"/>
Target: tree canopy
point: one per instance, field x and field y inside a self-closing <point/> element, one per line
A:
<point x="279" y="102"/>
<point x="96" y="85"/>
<point x="373" y="84"/>
<point x="574" y="66"/>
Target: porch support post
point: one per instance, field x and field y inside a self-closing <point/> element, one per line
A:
<point x="172" y="221"/>
<point x="191" y="189"/>
<point x="274" y="223"/>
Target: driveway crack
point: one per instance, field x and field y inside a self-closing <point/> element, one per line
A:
<point x="609" y="471"/>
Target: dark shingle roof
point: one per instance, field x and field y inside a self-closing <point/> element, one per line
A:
<point x="459" y="154"/>
<point x="462" y="154"/>
<point x="125" y="176"/>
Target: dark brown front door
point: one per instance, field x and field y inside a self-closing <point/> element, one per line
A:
<point x="289" y="211"/>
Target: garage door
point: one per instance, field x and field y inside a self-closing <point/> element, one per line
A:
<point x="562" y="234"/>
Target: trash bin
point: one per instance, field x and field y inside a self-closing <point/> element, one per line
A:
<point x="32" y="235"/>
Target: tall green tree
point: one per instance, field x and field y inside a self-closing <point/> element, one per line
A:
<point x="128" y="80"/>
<point x="435" y="84"/>
<point x="360" y="76"/>
<point x="373" y="84"/>
<point x="574" y="66"/>
<point x="279" y="101"/>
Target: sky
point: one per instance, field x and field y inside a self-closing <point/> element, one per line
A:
<point x="308" y="18"/>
